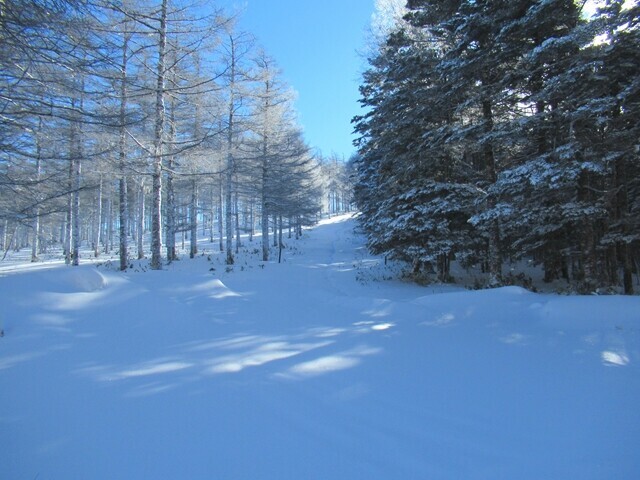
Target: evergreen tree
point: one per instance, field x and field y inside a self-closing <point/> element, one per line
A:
<point x="512" y="123"/>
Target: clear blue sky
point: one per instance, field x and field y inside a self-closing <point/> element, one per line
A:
<point x="316" y="45"/>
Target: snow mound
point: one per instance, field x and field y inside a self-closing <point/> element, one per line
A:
<point x="82" y="279"/>
<point x="214" y="289"/>
<point x="595" y="312"/>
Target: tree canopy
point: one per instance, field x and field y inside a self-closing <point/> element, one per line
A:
<point x="497" y="131"/>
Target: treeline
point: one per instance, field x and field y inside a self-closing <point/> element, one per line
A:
<point x="126" y="123"/>
<point x="506" y="130"/>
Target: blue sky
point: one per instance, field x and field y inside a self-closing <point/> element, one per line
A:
<point x="316" y="45"/>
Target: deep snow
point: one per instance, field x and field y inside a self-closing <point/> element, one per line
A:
<point x="310" y="369"/>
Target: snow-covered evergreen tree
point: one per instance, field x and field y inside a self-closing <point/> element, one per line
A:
<point x="510" y="123"/>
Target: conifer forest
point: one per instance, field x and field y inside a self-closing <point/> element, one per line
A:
<point x="500" y="131"/>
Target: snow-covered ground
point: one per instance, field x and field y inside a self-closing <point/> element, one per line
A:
<point x="310" y="369"/>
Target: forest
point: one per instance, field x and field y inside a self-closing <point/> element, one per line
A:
<point x="505" y="131"/>
<point x="125" y="125"/>
<point x="190" y="290"/>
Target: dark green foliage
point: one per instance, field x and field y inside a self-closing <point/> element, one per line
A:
<point x="506" y="130"/>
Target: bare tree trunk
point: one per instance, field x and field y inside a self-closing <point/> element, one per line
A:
<point x="36" y="219"/>
<point x="140" y="229"/>
<point x="69" y="211"/>
<point x="194" y="219"/>
<point x="495" y="254"/>
<point x="5" y="231"/>
<point x="588" y="260"/>
<point x="124" y="247"/>
<point x="251" y="222"/>
<point x="106" y="224"/>
<point x="35" y="245"/>
<point x="280" y="244"/>
<point x="213" y="215"/>
<point x="275" y="230"/>
<point x="230" y="166"/>
<point x="237" y="215"/>
<point x="77" y="148"/>
<point x="122" y="212"/>
<point x="156" y="230"/>
<point x="622" y="215"/>
<point x="229" y="213"/>
<point x="76" y="211"/>
<point x="265" y="231"/>
<point x="170" y="204"/>
<point x="156" y="211"/>
<point x="220" y="217"/>
<point x="97" y="222"/>
<point x="627" y="269"/>
<point x="588" y="257"/>
<point x="264" y="178"/>
<point x="170" y="214"/>
<point x="193" y="207"/>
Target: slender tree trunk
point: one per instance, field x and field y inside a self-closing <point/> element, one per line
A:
<point x="237" y="218"/>
<point x="495" y="254"/>
<point x="122" y="212"/>
<point x="61" y="231"/>
<point x="140" y="229"/>
<point x="122" y="190"/>
<point x="69" y="212"/>
<point x="9" y="240"/>
<point x="97" y="223"/>
<point x="280" y="244"/>
<point x="77" y="151"/>
<point x="76" y="211"/>
<point x="265" y="231"/>
<point x="251" y="220"/>
<point x="220" y="217"/>
<point x="35" y="247"/>
<point x="264" y="179"/>
<point x="230" y="167"/>
<point x="622" y="214"/>
<point x="156" y="211"/>
<point x="213" y="215"/>
<point x="104" y="216"/>
<point x="229" y="214"/>
<point x="105" y="228"/>
<point x="627" y="269"/>
<point x="170" y="207"/>
<point x="194" y="219"/>
<point x="5" y="231"/>
<point x="588" y="258"/>
<point x="197" y="135"/>
<point x="110" y="221"/>
<point x="170" y="213"/>
<point x="275" y="230"/>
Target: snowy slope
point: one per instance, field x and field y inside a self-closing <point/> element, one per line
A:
<point x="310" y="369"/>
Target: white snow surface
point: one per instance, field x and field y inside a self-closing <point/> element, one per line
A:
<point x="310" y="369"/>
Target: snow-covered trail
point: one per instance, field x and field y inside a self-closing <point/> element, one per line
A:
<point x="311" y="370"/>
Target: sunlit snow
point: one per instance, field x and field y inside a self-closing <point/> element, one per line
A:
<point x="316" y="368"/>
